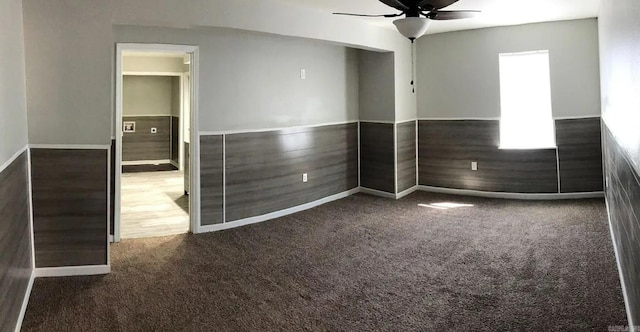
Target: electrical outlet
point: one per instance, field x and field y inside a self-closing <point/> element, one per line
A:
<point x="154" y="130"/>
<point x="474" y="165"/>
<point x="303" y="74"/>
<point x="304" y="177"/>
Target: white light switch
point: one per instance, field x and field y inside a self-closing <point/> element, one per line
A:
<point x="304" y="177"/>
<point x="474" y="165"/>
<point x="154" y="130"/>
<point x="303" y="74"/>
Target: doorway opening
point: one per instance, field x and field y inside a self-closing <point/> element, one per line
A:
<point x="155" y="112"/>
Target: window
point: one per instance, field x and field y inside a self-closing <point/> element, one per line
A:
<point x="525" y="101"/>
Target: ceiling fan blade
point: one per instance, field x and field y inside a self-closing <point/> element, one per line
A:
<point x="395" y="4"/>
<point x="428" y="5"/>
<point x="365" y="15"/>
<point x="443" y="15"/>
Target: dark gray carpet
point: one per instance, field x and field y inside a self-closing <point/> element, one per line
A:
<point x="361" y="263"/>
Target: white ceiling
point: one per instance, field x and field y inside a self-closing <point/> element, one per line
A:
<point x="494" y="12"/>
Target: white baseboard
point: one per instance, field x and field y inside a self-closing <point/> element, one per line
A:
<point x="385" y="194"/>
<point x="71" y="146"/>
<point x="13" y="158"/>
<point x="25" y="301"/>
<point x="522" y="196"/>
<point x="378" y="193"/>
<point x="407" y="192"/>
<point x="623" y="284"/>
<point x="146" y="162"/>
<point x="277" y="214"/>
<point x="68" y="271"/>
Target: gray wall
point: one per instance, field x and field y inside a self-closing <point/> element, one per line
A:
<point x="620" y="70"/>
<point x="147" y="95"/>
<point x="15" y="240"/>
<point x="175" y="96"/>
<point x="53" y="27"/>
<point x="150" y="102"/>
<point x="132" y="63"/>
<point x="69" y="52"/>
<point x="252" y="81"/>
<point x="376" y="86"/>
<point x="458" y="74"/>
<point x="277" y="17"/>
<point x="13" y="111"/>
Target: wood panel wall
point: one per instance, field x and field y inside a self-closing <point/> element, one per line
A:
<point x="447" y="148"/>
<point x="142" y="144"/>
<point x="112" y="185"/>
<point x="580" y="155"/>
<point x="211" y="179"/>
<point x="187" y="167"/>
<point x="264" y="170"/>
<point x="15" y="241"/>
<point x="406" y="150"/>
<point x="175" y="139"/>
<point x="69" y="207"/>
<point x="623" y="198"/>
<point x="377" y="156"/>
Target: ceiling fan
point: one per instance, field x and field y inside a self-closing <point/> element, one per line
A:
<point x="418" y="15"/>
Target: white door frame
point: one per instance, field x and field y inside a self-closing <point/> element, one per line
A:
<point x="183" y="126"/>
<point x="194" y="146"/>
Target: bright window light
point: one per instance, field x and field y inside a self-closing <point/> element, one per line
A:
<point x="525" y="101"/>
<point x="445" y="205"/>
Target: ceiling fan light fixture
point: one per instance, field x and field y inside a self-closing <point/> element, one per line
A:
<point x="412" y="27"/>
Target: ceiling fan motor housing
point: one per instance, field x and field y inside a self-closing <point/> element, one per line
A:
<point x="412" y="27"/>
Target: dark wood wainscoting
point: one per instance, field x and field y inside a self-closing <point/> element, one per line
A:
<point x="144" y="145"/>
<point x="70" y="207"/>
<point x="175" y="139"/>
<point x="623" y="198"/>
<point x="447" y="148"/>
<point x="264" y="170"/>
<point x="580" y="155"/>
<point x="15" y="241"/>
<point x="112" y="184"/>
<point x="406" y="155"/>
<point x="377" y="156"/>
<point x="211" y="179"/>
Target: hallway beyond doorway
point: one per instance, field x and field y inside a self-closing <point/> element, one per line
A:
<point x="154" y="204"/>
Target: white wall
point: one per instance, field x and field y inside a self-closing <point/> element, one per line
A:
<point x="13" y="110"/>
<point x="147" y="95"/>
<point x="458" y="75"/>
<point x="252" y="81"/>
<point x="620" y="61"/>
<point x="377" y="87"/>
